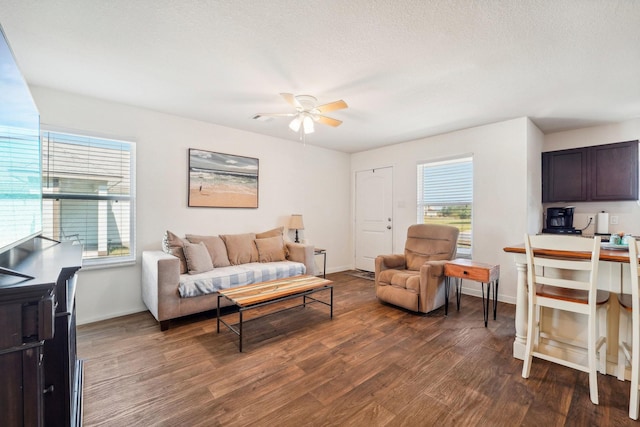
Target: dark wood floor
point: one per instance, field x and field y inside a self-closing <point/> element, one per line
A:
<point x="373" y="364"/>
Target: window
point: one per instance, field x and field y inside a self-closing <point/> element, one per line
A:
<point x="445" y="196"/>
<point x="88" y="195"/>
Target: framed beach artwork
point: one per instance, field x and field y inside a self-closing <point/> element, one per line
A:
<point x="218" y="180"/>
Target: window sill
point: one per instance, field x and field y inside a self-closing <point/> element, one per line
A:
<point x="92" y="264"/>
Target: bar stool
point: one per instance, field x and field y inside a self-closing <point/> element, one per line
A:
<point x="558" y="283"/>
<point x="630" y="311"/>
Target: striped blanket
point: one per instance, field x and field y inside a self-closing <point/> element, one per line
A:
<point x="193" y="285"/>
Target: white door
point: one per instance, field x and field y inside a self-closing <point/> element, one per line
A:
<point x="374" y="225"/>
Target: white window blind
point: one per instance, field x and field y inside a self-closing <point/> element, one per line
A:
<point x="445" y="196"/>
<point x="88" y="195"/>
<point x="20" y="183"/>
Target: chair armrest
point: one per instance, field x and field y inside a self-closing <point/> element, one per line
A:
<point x="160" y="280"/>
<point x="385" y="262"/>
<point x="434" y="268"/>
<point x="432" y="285"/>
<point x="300" y="252"/>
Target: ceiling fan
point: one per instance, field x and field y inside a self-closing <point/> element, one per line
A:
<point x="307" y="112"/>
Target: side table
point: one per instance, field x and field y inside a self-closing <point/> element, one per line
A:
<point x="323" y="252"/>
<point x="459" y="269"/>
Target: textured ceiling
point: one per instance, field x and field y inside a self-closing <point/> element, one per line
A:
<point x="408" y="69"/>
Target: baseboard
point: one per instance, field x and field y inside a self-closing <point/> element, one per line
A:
<point x="109" y="316"/>
<point x="476" y="292"/>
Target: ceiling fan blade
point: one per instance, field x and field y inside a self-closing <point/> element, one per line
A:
<point x="332" y="106"/>
<point x="260" y="115"/>
<point x="291" y="99"/>
<point x="328" y="121"/>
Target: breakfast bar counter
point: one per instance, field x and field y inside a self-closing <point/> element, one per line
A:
<point x="613" y="276"/>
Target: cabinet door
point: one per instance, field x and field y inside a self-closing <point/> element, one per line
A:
<point x="564" y="175"/>
<point x="614" y="171"/>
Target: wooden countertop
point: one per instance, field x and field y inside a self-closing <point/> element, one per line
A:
<point x="605" y="254"/>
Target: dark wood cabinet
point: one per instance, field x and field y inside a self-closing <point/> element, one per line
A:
<point x="63" y="370"/>
<point x="564" y="175"/>
<point x="598" y="173"/>
<point x="21" y="348"/>
<point x="614" y="171"/>
<point x="38" y="365"/>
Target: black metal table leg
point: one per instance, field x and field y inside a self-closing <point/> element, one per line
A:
<point x="458" y="292"/>
<point x="495" y="298"/>
<point x="331" y="306"/>
<point x="485" y="303"/>
<point x="218" y="311"/>
<point x="447" y="285"/>
<point x="240" y="329"/>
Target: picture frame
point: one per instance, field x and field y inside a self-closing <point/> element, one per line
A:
<point x="220" y="180"/>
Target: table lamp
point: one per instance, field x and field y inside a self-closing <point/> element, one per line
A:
<point x="295" y="223"/>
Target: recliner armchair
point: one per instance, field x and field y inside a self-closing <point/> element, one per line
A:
<point x="415" y="280"/>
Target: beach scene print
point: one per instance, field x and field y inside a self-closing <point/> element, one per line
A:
<point x="222" y="180"/>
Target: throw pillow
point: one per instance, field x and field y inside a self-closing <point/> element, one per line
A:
<point x="215" y="246"/>
<point x="173" y="245"/>
<point x="198" y="259"/>
<point x="271" y="249"/>
<point x="274" y="233"/>
<point x="241" y="248"/>
<point x="270" y="233"/>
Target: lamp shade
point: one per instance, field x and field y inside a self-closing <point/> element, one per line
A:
<point x="295" y="124"/>
<point x="295" y="222"/>
<point x="307" y="123"/>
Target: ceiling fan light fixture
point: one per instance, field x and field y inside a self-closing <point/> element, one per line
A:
<point x="308" y="124"/>
<point x="295" y="124"/>
<point x="306" y="112"/>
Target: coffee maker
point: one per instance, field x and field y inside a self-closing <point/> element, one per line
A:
<point x="560" y="221"/>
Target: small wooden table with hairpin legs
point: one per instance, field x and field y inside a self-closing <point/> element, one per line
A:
<point x="467" y="269"/>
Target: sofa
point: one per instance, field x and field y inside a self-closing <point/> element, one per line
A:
<point x="184" y="277"/>
<point x="415" y="280"/>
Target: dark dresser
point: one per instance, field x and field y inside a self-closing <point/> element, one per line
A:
<point x="41" y="375"/>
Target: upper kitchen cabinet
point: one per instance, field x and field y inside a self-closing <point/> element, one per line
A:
<point x="564" y="175"/>
<point x="598" y="173"/>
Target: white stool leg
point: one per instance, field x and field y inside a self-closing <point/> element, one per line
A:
<point x="593" y="362"/>
<point x="602" y="332"/>
<point x="531" y="331"/>
<point x="634" y="400"/>
<point x="623" y="328"/>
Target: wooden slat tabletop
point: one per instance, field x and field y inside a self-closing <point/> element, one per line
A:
<point x="256" y="293"/>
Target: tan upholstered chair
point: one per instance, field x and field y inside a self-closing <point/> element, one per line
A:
<point x="415" y="280"/>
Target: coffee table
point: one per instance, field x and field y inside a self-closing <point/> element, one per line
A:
<point x="256" y="295"/>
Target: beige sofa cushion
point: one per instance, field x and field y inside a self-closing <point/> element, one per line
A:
<point x="174" y="245"/>
<point x="216" y="247"/>
<point x="271" y="233"/>
<point x="241" y="248"/>
<point x="198" y="259"/>
<point x="271" y="249"/>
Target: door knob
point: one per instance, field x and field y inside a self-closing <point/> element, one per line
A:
<point x="388" y="227"/>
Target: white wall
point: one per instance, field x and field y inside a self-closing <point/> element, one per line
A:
<point x="628" y="212"/>
<point x="535" y="141"/>
<point x="293" y="179"/>
<point x="502" y="203"/>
